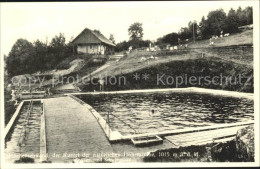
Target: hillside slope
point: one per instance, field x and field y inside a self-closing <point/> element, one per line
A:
<point x="243" y="38"/>
<point x="230" y="56"/>
<point x="213" y="73"/>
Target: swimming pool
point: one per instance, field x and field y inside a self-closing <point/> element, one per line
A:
<point x="156" y="112"/>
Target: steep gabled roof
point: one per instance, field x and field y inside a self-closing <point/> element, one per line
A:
<point x="89" y="36"/>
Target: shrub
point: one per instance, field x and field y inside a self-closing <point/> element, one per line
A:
<point x="24" y="160"/>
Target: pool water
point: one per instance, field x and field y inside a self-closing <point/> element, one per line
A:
<point x="156" y="112"/>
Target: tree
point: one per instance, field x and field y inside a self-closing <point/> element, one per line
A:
<point x="193" y="26"/>
<point x="136" y="31"/>
<point x="231" y="23"/>
<point x="41" y="57"/>
<point x="58" y="41"/>
<point x="21" y="57"/>
<point x="59" y="49"/>
<point x="112" y="39"/>
<point x="245" y="17"/>
<point x="26" y="57"/>
<point x="249" y="15"/>
<point x="204" y="30"/>
<point x="121" y="46"/>
<point x="184" y="33"/>
<point x="242" y="20"/>
<point x="216" y="21"/>
<point x="187" y="32"/>
<point x="193" y="29"/>
<point x="171" y="38"/>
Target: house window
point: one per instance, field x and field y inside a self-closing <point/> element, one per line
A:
<point x="90" y="46"/>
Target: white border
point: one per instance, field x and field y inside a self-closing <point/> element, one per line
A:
<point x="1" y="95"/>
<point x="256" y="78"/>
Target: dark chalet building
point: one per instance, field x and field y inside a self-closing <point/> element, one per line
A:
<point x="92" y="42"/>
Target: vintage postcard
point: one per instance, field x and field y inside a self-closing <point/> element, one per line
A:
<point x="129" y="84"/>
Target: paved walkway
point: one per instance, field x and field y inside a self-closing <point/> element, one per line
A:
<point x="216" y="92"/>
<point x="71" y="131"/>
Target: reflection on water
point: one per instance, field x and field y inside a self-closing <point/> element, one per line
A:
<point x="31" y="147"/>
<point x="160" y="112"/>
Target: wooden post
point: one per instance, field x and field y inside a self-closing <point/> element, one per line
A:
<point x="73" y="50"/>
<point x="108" y="124"/>
<point x="193" y="33"/>
<point x="99" y="49"/>
<point x="101" y="82"/>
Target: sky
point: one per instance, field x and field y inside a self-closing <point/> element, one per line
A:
<point x="43" y="21"/>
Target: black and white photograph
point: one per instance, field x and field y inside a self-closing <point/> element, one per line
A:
<point x="129" y="84"/>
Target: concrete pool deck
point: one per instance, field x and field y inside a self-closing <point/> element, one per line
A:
<point x="71" y="129"/>
<point x="184" y="90"/>
<point x="185" y="132"/>
<point x="206" y="136"/>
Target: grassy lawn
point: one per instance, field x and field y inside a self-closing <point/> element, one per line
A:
<point x="241" y="55"/>
<point x="133" y="62"/>
<point x="242" y="38"/>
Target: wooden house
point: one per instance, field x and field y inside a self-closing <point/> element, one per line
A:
<point x="92" y="42"/>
